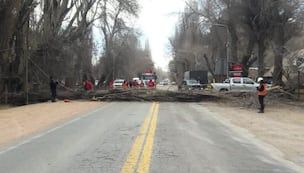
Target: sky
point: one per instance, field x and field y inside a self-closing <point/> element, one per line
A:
<point x="157" y="21"/>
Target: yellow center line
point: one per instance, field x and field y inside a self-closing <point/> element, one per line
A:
<point x="145" y="159"/>
<point x="132" y="159"/>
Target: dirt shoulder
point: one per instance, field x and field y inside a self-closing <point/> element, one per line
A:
<point x="281" y="126"/>
<point x="21" y="121"/>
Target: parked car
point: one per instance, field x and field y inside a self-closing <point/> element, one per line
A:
<point x="117" y="84"/>
<point x="136" y="81"/>
<point x="164" y="82"/>
<point x="237" y="84"/>
<point x="191" y="85"/>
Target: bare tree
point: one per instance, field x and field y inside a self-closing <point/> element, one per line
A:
<point x="255" y="26"/>
<point x="45" y="32"/>
<point x="113" y="23"/>
<point x="13" y="43"/>
<point x="131" y="60"/>
<point x="284" y="26"/>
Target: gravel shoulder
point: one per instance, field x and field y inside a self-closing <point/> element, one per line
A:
<point x="282" y="126"/>
<point x="22" y="121"/>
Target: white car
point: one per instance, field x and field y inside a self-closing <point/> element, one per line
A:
<point x="137" y="80"/>
<point x="237" y="84"/>
<point x="191" y="85"/>
<point x="118" y="83"/>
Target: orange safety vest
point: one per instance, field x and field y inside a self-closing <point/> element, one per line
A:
<point x="264" y="92"/>
<point x="125" y="85"/>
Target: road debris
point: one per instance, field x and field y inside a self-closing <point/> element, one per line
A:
<point x="155" y="95"/>
<point x="249" y="99"/>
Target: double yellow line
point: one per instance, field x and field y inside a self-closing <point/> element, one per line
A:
<point x="139" y="157"/>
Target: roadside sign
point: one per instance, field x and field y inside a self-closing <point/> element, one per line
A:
<point x="236" y="70"/>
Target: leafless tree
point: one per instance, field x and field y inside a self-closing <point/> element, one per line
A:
<point x="113" y="24"/>
<point x="254" y="27"/>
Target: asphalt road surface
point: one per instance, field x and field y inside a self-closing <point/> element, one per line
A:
<point x="140" y="137"/>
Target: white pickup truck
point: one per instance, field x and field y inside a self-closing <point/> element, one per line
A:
<point x="240" y="84"/>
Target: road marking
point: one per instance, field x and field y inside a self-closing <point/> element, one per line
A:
<point x="26" y="141"/>
<point x="145" y="159"/>
<point x="131" y="161"/>
<point x="141" y="149"/>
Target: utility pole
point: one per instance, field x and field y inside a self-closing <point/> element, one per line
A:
<point x="113" y="65"/>
<point x="6" y="94"/>
<point x="27" y="65"/>
<point x="26" y="81"/>
<point x="299" y="83"/>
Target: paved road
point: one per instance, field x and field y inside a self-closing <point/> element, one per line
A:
<point x="140" y="137"/>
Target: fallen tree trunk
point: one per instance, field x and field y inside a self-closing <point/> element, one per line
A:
<point x="113" y="95"/>
<point x="250" y="99"/>
<point x="155" y="95"/>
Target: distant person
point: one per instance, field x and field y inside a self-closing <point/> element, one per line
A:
<point x="125" y="85"/>
<point x="151" y="84"/>
<point x="135" y="84"/>
<point x="53" y="87"/>
<point x="111" y="86"/>
<point x="142" y="84"/>
<point x="88" y="85"/>
<point x="262" y="93"/>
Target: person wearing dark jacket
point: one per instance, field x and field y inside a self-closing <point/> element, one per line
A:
<point x="262" y="93"/>
<point x="53" y="87"/>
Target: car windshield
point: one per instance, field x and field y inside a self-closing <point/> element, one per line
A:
<point x="119" y="81"/>
<point x="148" y="77"/>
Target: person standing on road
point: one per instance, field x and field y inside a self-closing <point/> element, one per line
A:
<point x="111" y="86"/>
<point x="262" y="93"/>
<point x="125" y="85"/>
<point x="151" y="84"/>
<point x="53" y="87"/>
<point x="88" y="85"/>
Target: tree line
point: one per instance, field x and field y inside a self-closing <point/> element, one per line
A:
<point x="253" y="33"/>
<point x="44" y="38"/>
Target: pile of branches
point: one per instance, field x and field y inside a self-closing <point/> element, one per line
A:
<point x="276" y="95"/>
<point x="153" y="95"/>
<point x="111" y="95"/>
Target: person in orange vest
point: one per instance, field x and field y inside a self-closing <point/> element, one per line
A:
<point x="262" y="93"/>
<point x="125" y="85"/>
